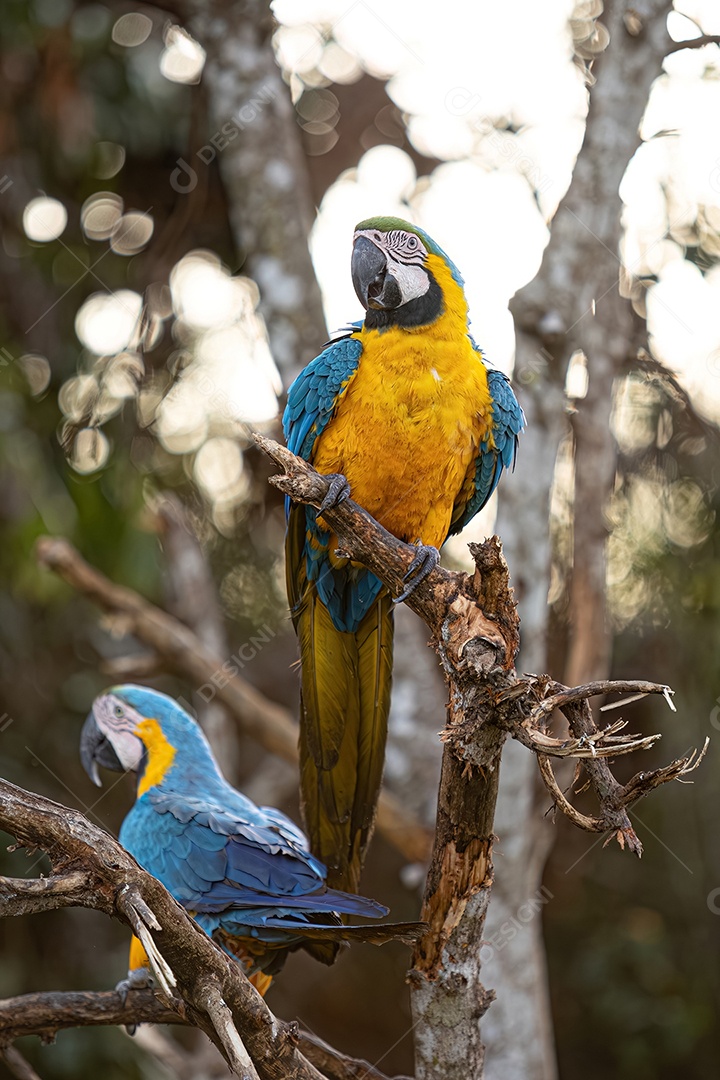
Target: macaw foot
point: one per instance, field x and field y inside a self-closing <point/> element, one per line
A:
<point x="424" y="562"/>
<point x="137" y="979"/>
<point x="338" y="492"/>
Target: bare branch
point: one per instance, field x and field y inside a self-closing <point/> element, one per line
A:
<point x="44" y="1014"/>
<point x="228" y="1034"/>
<point x="694" y="43"/>
<point x="563" y="695"/>
<point x="604" y="743"/>
<point x="16" y="1063"/>
<point x="643" y="783"/>
<point x="25" y="896"/>
<point x="265" y="721"/>
<point x="581" y="820"/>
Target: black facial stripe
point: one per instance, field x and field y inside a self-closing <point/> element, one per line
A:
<point x="416" y="258"/>
<point x="419" y="312"/>
<point x="397" y="242"/>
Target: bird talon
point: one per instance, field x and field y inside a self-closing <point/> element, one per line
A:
<point x="423" y="564"/>
<point x="137" y="979"/>
<point x="338" y="491"/>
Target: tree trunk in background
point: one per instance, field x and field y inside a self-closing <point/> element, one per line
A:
<point x="263" y="170"/>
<point x="572" y="304"/>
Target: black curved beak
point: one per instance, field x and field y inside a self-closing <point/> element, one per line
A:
<point x="375" y="288"/>
<point x="95" y="749"/>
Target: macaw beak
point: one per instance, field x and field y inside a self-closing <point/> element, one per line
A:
<point x="96" y="749"/>
<point x="374" y="286"/>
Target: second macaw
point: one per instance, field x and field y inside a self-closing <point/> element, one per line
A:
<point x="404" y="413"/>
<point x="244" y="872"/>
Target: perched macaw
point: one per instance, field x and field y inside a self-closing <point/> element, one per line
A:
<point x="244" y="872"/>
<point x="403" y="412"/>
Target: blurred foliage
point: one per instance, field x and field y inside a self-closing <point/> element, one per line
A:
<point x="632" y="946"/>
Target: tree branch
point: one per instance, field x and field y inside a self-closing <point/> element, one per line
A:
<point x="44" y="1014"/>
<point x="694" y="43"/>
<point x="265" y="721"/>
<point x="25" y="896"/>
<point x="16" y="1063"/>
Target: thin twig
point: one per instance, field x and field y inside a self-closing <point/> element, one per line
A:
<point x="142" y="920"/>
<point x="222" y="1020"/>
<point x="17" y="1064"/>
<point x="694" y="43"/>
<point x="563" y="695"/>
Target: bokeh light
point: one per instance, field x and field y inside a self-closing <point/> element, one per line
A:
<point x="106" y="322"/>
<point x="36" y="370"/>
<point x="203" y="292"/>
<point x="131" y="233"/>
<point x="44" y="219"/>
<point x="132" y="29"/>
<point x="183" y="58"/>
<point x="100" y="215"/>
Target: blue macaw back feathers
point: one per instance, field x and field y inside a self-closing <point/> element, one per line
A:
<point x="244" y="871"/>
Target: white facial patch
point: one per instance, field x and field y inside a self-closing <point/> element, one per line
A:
<point x="413" y="280"/>
<point x="117" y="721"/>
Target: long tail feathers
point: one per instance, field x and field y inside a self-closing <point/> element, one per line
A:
<point x="343" y="728"/>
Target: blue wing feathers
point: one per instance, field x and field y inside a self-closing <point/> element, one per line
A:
<point x="312" y="399"/>
<point x="313" y="396"/>
<point x="244" y="869"/>
<point x="498" y="451"/>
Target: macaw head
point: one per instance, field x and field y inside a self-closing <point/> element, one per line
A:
<point x="135" y="729"/>
<point x="400" y="275"/>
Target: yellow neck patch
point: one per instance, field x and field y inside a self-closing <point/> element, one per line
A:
<point x="160" y="754"/>
<point x="456" y="308"/>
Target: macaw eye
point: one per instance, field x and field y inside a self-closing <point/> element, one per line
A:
<point x="412" y="242"/>
<point x="119" y="711"/>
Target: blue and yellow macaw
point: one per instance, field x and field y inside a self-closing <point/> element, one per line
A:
<point x="244" y="872"/>
<point x="403" y="412"/>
